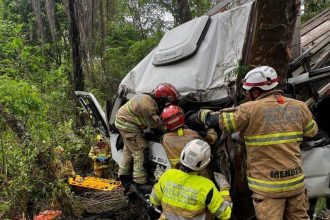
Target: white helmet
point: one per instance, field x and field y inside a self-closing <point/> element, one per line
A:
<point x="196" y="155"/>
<point x="263" y="77"/>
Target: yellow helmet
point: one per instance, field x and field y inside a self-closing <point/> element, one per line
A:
<point x="99" y="138"/>
<point x="59" y="150"/>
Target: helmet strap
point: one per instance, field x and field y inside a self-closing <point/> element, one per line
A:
<point x="180" y="132"/>
<point x="255" y="93"/>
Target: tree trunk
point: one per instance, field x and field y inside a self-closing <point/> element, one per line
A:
<point x="50" y="11"/>
<point x="78" y="77"/>
<point x="183" y="11"/>
<point x="16" y="126"/>
<point x="274" y="31"/>
<point x="37" y="12"/>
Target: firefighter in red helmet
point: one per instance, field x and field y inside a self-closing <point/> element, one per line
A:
<point x="138" y="114"/>
<point x="178" y="135"/>
<point x="166" y="94"/>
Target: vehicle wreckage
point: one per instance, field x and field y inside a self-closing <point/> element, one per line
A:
<point x="202" y="64"/>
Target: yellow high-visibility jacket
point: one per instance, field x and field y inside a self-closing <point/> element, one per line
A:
<point x="187" y="196"/>
<point x="273" y="127"/>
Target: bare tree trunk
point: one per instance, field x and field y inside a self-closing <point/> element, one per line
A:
<point x="183" y="13"/>
<point x="78" y="77"/>
<point x="102" y="25"/>
<point x="50" y="11"/>
<point x="274" y="31"/>
<point x="134" y="7"/>
<point x="16" y="126"/>
<point x="37" y="12"/>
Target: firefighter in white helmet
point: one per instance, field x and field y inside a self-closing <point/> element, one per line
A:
<point x="183" y="194"/>
<point x="273" y="127"/>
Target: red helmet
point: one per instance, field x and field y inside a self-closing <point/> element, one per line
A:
<point x="173" y="117"/>
<point x="166" y="93"/>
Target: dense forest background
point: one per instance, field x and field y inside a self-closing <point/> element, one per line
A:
<point x="50" y="48"/>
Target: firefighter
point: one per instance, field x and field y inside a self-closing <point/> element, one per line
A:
<point x="178" y="135"/>
<point x="62" y="167"/>
<point x="273" y="127"/>
<point x="100" y="155"/>
<point x="138" y="114"/>
<point x="183" y="194"/>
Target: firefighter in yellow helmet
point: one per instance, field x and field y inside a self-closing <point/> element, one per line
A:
<point x="273" y="127"/>
<point x="100" y="154"/>
<point x="183" y="194"/>
<point x="61" y="166"/>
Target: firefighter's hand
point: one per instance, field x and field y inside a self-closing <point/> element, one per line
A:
<point x="152" y="134"/>
<point x="221" y="181"/>
<point x="107" y="158"/>
<point x="191" y="117"/>
<point x="100" y="159"/>
<point x="192" y="121"/>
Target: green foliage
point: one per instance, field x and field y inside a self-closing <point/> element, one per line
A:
<point x="19" y="97"/>
<point x="199" y="7"/>
<point x="36" y="86"/>
<point x="313" y="7"/>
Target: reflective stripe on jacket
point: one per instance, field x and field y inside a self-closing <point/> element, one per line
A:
<point x="273" y="127"/>
<point x="173" y="143"/>
<point x="187" y="195"/>
<point x="138" y="113"/>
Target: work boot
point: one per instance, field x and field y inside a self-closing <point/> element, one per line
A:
<point x="126" y="181"/>
<point x="143" y="188"/>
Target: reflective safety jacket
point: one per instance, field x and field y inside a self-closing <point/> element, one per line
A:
<point x="173" y="142"/>
<point x="273" y="127"/>
<point x="137" y="114"/>
<point x="100" y="151"/>
<point x="187" y="196"/>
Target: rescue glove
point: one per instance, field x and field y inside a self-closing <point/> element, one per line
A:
<point x="192" y="121"/>
<point x="100" y="159"/>
<point x="107" y="158"/>
<point x="153" y="134"/>
<point x="221" y="181"/>
<point x="153" y="211"/>
<point x="210" y="118"/>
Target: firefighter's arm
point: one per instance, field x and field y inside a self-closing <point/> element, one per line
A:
<point x="235" y="119"/>
<point x="223" y="185"/>
<point x="217" y="205"/>
<point x="69" y="169"/>
<point x="208" y="118"/>
<point x="108" y="155"/>
<point x="92" y="154"/>
<point x="153" y="120"/>
<point x="211" y="136"/>
<point x="310" y="126"/>
<point x="156" y="194"/>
